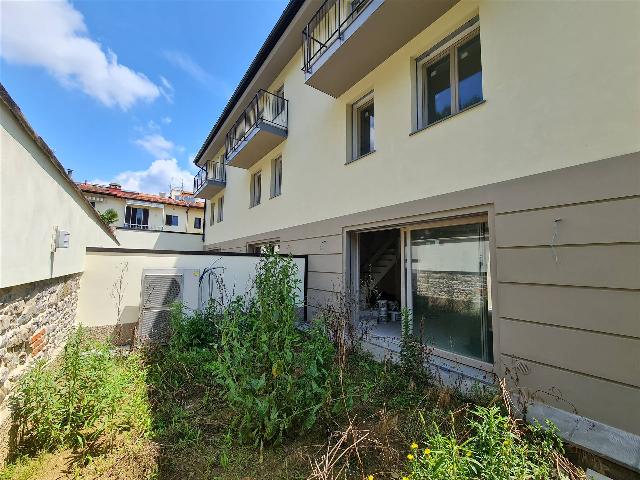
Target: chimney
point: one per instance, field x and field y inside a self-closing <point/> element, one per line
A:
<point x="163" y="194"/>
<point x="69" y="172"/>
<point x="115" y="186"/>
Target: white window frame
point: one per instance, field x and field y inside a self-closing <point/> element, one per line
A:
<point x="276" y="180"/>
<point x="172" y="216"/>
<point x="365" y="101"/>
<point x="220" y="216"/>
<point x="447" y="47"/>
<point x="256" y="189"/>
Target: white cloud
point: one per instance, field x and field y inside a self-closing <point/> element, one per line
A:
<point x="166" y="120"/>
<point x="185" y="63"/>
<point x="53" y="35"/>
<point x="156" y="145"/>
<point x="166" y="89"/>
<point x="157" y="178"/>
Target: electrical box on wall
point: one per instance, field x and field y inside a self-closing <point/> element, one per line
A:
<point x="62" y="239"/>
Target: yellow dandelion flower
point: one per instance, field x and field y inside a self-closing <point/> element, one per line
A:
<point x="405" y="478"/>
<point x="468" y="453"/>
<point x="427" y="451"/>
<point x="410" y="457"/>
<point x="414" y="446"/>
<point x="370" y="477"/>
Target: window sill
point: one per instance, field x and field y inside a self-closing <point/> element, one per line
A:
<point x="361" y="156"/>
<point x="447" y="118"/>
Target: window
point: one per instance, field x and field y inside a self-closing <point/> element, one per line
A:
<point x="93" y="204"/>
<point x="279" y="102"/>
<point x="449" y="288"/>
<point x="256" y="188"/>
<point x="171" y="220"/>
<point x="212" y="214"/>
<point x="197" y="223"/>
<point x="136" y="217"/>
<point x="450" y="77"/>
<point x="363" y="127"/>
<point x="276" y="177"/>
<point x="220" y="209"/>
<point x="264" y="247"/>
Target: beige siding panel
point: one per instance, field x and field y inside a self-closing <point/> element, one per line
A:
<point x="609" y="266"/>
<point x="320" y="298"/>
<point x="325" y="263"/>
<point x="320" y="245"/>
<point x="607" y="356"/>
<point x="604" y="401"/>
<point x="602" y="222"/>
<point x="603" y="310"/>
<point x="611" y="178"/>
<point x="325" y="281"/>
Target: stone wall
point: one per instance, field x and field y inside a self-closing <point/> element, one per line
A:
<point x="35" y="319"/>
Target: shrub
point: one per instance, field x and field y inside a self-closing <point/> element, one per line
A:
<point x="109" y="216"/>
<point x="275" y="377"/>
<point x="89" y="393"/>
<point x="491" y="446"/>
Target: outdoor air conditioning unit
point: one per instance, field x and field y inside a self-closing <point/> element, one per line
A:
<point x="161" y="288"/>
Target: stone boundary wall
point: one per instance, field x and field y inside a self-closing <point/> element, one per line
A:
<point x="35" y="320"/>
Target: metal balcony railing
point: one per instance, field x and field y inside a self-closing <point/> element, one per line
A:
<point x="140" y="226"/>
<point x="265" y="107"/>
<point x="326" y="26"/>
<point x="214" y="171"/>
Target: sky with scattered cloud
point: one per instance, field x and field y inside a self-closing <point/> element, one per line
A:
<point x="127" y="91"/>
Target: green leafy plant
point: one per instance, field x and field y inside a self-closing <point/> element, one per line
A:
<point x="109" y="216"/>
<point x="412" y="353"/>
<point x="488" y="445"/>
<point x="88" y="394"/>
<point x="274" y="376"/>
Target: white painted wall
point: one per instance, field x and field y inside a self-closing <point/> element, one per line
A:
<point x="157" y="213"/>
<point x="98" y="307"/>
<point x="35" y="198"/>
<point x="561" y="84"/>
<point x="148" y="239"/>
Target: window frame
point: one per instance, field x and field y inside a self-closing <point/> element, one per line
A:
<point x="166" y="219"/>
<point x="261" y="248"/>
<point x="133" y="209"/>
<point x="220" y="216"/>
<point x="255" y="193"/>
<point x="196" y="220"/>
<point x="356" y="127"/>
<point x="448" y="47"/>
<point x="212" y="214"/>
<point x="276" y="181"/>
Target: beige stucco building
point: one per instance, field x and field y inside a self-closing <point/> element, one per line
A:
<point x="477" y="162"/>
<point x="171" y="221"/>
<point x="46" y="226"/>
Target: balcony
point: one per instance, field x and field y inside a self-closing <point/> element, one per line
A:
<point x="209" y="181"/>
<point x="261" y="127"/>
<point x="347" y="39"/>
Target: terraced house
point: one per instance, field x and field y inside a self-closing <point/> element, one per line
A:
<point x="172" y="220"/>
<point x="476" y="162"/>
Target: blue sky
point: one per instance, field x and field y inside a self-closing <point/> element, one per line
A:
<point x="128" y="90"/>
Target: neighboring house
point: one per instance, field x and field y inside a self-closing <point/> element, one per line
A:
<point x="46" y="225"/>
<point x="496" y="194"/>
<point x="164" y="222"/>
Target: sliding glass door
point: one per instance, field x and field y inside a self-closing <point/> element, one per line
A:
<point x="447" y="287"/>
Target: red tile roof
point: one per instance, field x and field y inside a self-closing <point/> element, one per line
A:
<point x="143" y="197"/>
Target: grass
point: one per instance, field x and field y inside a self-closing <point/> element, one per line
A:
<point x="241" y="394"/>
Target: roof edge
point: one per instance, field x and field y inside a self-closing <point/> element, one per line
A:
<point x="22" y="120"/>
<point x="290" y="11"/>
